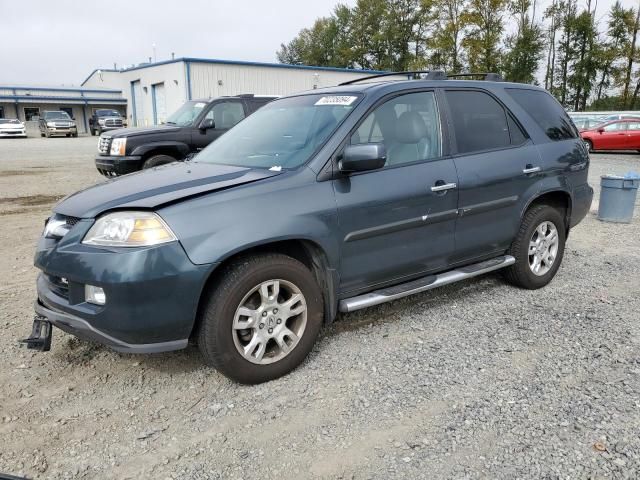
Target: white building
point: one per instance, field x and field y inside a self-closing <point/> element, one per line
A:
<point x="155" y="90"/>
<point x="27" y="103"/>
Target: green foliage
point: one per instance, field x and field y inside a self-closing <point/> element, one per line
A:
<point x="569" y="51"/>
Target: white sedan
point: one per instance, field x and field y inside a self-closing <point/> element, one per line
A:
<point x="11" y="127"/>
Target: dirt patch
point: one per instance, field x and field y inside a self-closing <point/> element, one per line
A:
<point x="31" y="200"/>
<point x="16" y="173"/>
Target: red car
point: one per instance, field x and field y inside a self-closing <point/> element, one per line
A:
<point x="613" y="135"/>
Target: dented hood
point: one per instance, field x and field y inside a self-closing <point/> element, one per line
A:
<point x="152" y="188"/>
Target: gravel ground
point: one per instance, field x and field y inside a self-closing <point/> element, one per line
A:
<point x="474" y="380"/>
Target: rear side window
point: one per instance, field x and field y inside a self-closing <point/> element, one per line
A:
<point x="479" y="121"/>
<point x="546" y="112"/>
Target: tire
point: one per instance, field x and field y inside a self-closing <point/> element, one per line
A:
<point x="42" y="134"/>
<point x="221" y="343"/>
<point x="156" y="160"/>
<point x="75" y="135"/>
<point x="68" y="135"/>
<point x="589" y="144"/>
<point x="521" y="273"/>
<point x="93" y="132"/>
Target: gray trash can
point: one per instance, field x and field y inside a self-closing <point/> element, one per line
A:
<point x="617" y="198"/>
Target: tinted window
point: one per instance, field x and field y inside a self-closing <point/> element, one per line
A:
<point x="546" y="112"/>
<point x="408" y="126"/>
<point x="518" y="137"/>
<point x="226" y="114"/>
<point x="479" y="121"/>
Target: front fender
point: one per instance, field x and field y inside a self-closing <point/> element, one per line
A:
<point x="291" y="206"/>
<point x="181" y="148"/>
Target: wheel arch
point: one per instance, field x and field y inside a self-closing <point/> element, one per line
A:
<point x="308" y="252"/>
<point x="176" y="150"/>
<point x="555" y="198"/>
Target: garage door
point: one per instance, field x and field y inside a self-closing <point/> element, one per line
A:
<point x="159" y="104"/>
<point x="138" y="110"/>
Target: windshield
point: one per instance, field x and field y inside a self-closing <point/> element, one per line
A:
<point x="283" y="134"/>
<point x="107" y="113"/>
<point x="8" y="120"/>
<point x="57" y="116"/>
<point x="186" y="114"/>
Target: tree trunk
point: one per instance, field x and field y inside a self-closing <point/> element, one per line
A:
<point x="632" y="53"/>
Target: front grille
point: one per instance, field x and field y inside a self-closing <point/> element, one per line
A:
<point x="58" y="285"/>
<point x="104" y="144"/>
<point x="113" y="122"/>
<point x="71" y="221"/>
<point x="62" y="124"/>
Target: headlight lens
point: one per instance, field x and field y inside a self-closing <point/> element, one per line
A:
<point x="101" y="121"/>
<point x="51" y="124"/>
<point x="118" y="146"/>
<point x="129" y="229"/>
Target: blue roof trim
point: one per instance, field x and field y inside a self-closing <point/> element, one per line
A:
<point x="240" y="62"/>
<point x="63" y="99"/>
<point x="58" y="89"/>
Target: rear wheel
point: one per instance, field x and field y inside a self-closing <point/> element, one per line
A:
<point x="538" y="248"/>
<point x="261" y="318"/>
<point x="156" y="160"/>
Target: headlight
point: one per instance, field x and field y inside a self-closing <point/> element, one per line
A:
<point x="118" y="146"/>
<point x="101" y="121"/>
<point x="129" y="229"/>
<point x="51" y="124"/>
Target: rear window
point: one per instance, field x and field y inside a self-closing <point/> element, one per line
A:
<point x="546" y="112"/>
<point x="479" y="121"/>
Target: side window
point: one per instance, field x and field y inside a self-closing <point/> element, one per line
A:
<point x="479" y="121"/>
<point x="634" y="126"/>
<point x="407" y="125"/>
<point x="546" y="111"/>
<point x="226" y="114"/>
<point x="612" y="127"/>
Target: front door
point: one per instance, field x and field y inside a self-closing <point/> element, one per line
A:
<point x="393" y="225"/>
<point x="224" y="115"/>
<point x="496" y="165"/>
<point x="613" y="137"/>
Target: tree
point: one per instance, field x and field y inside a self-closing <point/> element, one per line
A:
<point x="482" y="43"/>
<point x="553" y="13"/>
<point x="524" y="48"/>
<point x="566" y="52"/>
<point x="631" y="57"/>
<point x="584" y="67"/>
<point x="448" y="30"/>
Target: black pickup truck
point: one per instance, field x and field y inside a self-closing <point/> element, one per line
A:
<point x="105" y="119"/>
<point x="191" y="128"/>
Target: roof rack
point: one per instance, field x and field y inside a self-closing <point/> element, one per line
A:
<point x="431" y="75"/>
<point x="487" y="76"/>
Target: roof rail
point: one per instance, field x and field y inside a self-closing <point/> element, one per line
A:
<point x="431" y="75"/>
<point x="488" y="76"/>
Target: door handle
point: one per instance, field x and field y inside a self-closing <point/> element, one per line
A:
<point x="443" y="187"/>
<point x="529" y="169"/>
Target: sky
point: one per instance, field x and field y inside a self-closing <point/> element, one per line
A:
<point x="61" y="42"/>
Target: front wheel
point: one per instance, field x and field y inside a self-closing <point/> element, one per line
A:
<point x="538" y="248"/>
<point x="261" y="318"/>
<point x="157" y="160"/>
<point x="589" y="145"/>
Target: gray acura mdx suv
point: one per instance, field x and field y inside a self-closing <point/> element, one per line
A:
<point x="330" y="200"/>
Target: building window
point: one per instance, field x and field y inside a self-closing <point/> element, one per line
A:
<point x="1" y="112"/>
<point x="30" y="113"/>
<point x="69" y="111"/>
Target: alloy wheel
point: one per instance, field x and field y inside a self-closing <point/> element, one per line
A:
<point x="543" y="248"/>
<point x="269" y="322"/>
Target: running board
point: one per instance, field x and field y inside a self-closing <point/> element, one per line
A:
<point x="423" y="284"/>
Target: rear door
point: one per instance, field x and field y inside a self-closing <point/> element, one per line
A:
<point x="225" y="114"/>
<point x="633" y="135"/>
<point x="392" y="224"/>
<point x="496" y="165"/>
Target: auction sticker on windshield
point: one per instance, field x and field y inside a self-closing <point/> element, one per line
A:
<point x="336" y="100"/>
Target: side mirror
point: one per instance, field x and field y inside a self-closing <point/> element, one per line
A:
<point x="601" y="129"/>
<point x="207" y="124"/>
<point x="360" y="158"/>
